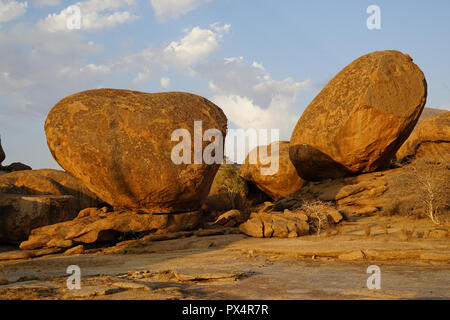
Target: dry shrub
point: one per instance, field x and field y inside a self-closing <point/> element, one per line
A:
<point x="430" y="181"/>
<point x="233" y="185"/>
<point x="228" y="191"/>
<point x="317" y="213"/>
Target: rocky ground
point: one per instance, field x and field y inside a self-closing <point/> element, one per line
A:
<point x="143" y="222"/>
<point x="413" y="256"/>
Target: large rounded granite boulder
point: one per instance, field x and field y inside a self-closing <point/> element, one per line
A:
<point x="283" y="181"/>
<point x="118" y="143"/>
<point x="360" y="119"/>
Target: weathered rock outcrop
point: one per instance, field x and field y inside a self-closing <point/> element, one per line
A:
<point x="283" y="182"/>
<point x="31" y="199"/>
<point x="291" y="217"/>
<point x="431" y="139"/>
<point x="94" y="225"/>
<point x="360" y="119"/>
<point x="118" y="143"/>
<point x="276" y="224"/>
<point x="19" y="214"/>
<point x="16" y="166"/>
<point x="48" y="182"/>
<point x="428" y="113"/>
<point x="391" y="192"/>
<point x="230" y="218"/>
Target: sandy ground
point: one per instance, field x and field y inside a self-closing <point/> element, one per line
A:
<point x="234" y="266"/>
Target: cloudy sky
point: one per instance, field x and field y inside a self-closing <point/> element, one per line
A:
<point x="261" y="61"/>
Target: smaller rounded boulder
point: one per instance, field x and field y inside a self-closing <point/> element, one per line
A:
<point x="271" y="170"/>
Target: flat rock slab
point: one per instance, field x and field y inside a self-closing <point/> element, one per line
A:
<point x="95" y="226"/>
<point x="272" y="269"/>
<point x="27" y="254"/>
<point x="92" y="291"/>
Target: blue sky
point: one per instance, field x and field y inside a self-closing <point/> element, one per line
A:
<point x="262" y="61"/>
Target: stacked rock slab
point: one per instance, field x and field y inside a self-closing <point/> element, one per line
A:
<point x="283" y="181"/>
<point x="360" y="119"/>
<point x="118" y="143"/>
<point x="431" y="140"/>
<point x="93" y="225"/>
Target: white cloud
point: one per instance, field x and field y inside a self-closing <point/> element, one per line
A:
<point x="11" y="10"/>
<point x="41" y="3"/>
<point x="165" y="9"/>
<point x="232" y="76"/>
<point x="96" y="68"/>
<point x="39" y="68"/>
<point x="9" y="82"/>
<point x="257" y="65"/>
<point x="142" y="63"/>
<point x="165" y="82"/>
<point x="180" y="55"/>
<point x="245" y="114"/>
<point x="250" y="97"/>
<point x="95" y="15"/>
<point x="56" y="64"/>
<point x="196" y="46"/>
